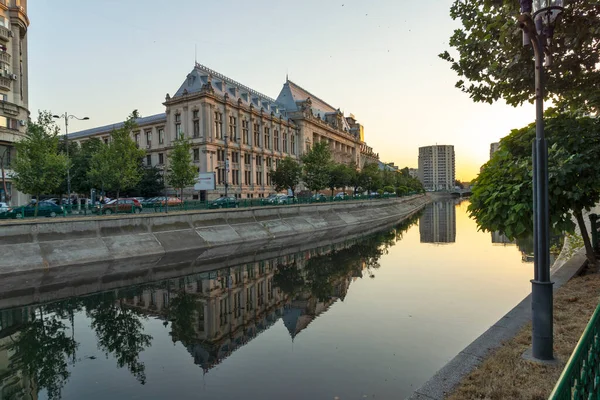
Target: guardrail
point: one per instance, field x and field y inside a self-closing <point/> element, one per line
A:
<point x="160" y="207"/>
<point x="580" y="380"/>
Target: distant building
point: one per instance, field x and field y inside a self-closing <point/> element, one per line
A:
<point x="494" y="148"/>
<point x="413" y="173"/>
<point x="387" y="167"/>
<point x="438" y="223"/>
<point x="500" y="238"/>
<point x="436" y="167"/>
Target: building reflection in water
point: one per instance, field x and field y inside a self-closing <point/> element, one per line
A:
<point x="438" y="222"/>
<point x="210" y="313"/>
<point x="500" y="238"/>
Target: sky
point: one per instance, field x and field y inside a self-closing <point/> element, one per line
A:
<point x="377" y="59"/>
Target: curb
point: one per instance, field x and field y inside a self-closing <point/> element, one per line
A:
<point x="446" y="379"/>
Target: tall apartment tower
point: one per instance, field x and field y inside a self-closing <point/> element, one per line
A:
<point x="436" y="167"/>
<point x="14" y="99"/>
<point x="494" y="148"/>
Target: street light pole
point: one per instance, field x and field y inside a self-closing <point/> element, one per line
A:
<point x="538" y="30"/>
<point x="226" y="163"/>
<point x="66" y="116"/>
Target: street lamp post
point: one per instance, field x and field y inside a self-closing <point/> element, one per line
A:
<point x="226" y="162"/>
<point x="537" y="20"/>
<point x="66" y="116"/>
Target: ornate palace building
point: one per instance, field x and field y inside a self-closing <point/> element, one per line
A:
<point x="14" y="99"/>
<point x="241" y="134"/>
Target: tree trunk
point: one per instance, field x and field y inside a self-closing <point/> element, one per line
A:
<point x="589" y="249"/>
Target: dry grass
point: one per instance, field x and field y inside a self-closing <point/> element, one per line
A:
<point x="505" y="375"/>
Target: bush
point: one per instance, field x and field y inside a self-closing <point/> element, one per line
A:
<point x="380" y="192"/>
<point x="389" y="189"/>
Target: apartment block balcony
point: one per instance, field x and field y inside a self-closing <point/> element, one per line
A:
<point x="9" y="108"/>
<point x="5" y="83"/>
<point x="4" y="34"/>
<point x="5" y="57"/>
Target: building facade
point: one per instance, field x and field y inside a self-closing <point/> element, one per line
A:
<point x="240" y="134"/>
<point x="436" y="167"/>
<point x="437" y="224"/>
<point x="14" y="99"/>
<point x="494" y="148"/>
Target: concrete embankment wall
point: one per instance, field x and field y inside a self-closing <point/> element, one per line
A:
<point x="42" y="245"/>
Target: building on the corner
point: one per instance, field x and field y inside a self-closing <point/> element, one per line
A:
<point x="436" y="167"/>
<point x="494" y="148"/>
<point x="14" y="99"/>
<point x="437" y="224"/>
<point x="230" y="124"/>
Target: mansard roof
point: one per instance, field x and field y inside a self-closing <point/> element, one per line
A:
<point x="152" y="119"/>
<point x="291" y="94"/>
<point x="202" y="75"/>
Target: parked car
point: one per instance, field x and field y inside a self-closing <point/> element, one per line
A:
<point x="171" y="201"/>
<point x="318" y="197"/>
<point x="276" y="199"/>
<point x="225" y="202"/>
<point x="3" y="207"/>
<point x="124" y="206"/>
<point x="45" y="209"/>
<point x="341" y="196"/>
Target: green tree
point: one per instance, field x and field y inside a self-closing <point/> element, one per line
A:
<point x="340" y="176"/>
<point x="287" y="175"/>
<point x="182" y="172"/>
<point x="81" y="164"/>
<point x="354" y="177"/>
<point x="316" y="166"/>
<point x="493" y="64"/>
<point x="502" y="197"/>
<point x="151" y="183"/>
<point x="39" y="168"/>
<point x="116" y="166"/>
<point x="370" y="177"/>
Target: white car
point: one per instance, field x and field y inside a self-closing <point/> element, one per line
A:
<point x="3" y="207"/>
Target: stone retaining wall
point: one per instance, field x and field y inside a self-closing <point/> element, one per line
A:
<point x="41" y="245"/>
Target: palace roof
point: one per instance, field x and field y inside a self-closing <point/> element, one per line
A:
<point x="152" y="119"/>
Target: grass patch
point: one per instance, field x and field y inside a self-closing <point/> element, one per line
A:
<point x="505" y="375"/>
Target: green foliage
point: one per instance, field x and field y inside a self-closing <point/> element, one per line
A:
<point x="389" y="189"/>
<point x="38" y="167"/>
<point x="116" y="166"/>
<point x="151" y="183"/>
<point x="340" y="176"/>
<point x="182" y="172"/>
<point x="316" y="166"/>
<point x="81" y="160"/>
<point x="287" y="175"/>
<point x="493" y="63"/>
<point x="370" y="177"/>
<point x="502" y="194"/>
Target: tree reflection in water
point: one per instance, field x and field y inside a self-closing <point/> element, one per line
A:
<point x="245" y="300"/>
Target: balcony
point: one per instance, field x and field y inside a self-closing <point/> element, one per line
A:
<point x="5" y="57"/>
<point x="9" y="108"/>
<point x="4" y="34"/>
<point x="5" y="83"/>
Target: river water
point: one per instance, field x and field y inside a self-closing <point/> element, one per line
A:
<point x="369" y="318"/>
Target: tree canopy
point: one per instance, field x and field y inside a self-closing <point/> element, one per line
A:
<point x="492" y="63"/>
<point x="502" y="198"/>
<point x="39" y="168"/>
<point x="182" y="172"/>
<point x="287" y="175"/>
<point x="316" y="166"/>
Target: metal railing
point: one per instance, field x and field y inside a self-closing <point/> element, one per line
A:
<point x="160" y="207"/>
<point x="580" y="380"/>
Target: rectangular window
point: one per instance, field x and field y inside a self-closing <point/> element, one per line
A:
<point x="218" y="125"/>
<point x="293" y="144"/>
<point x="276" y="140"/>
<point x="161" y="136"/>
<point x="196" y="154"/>
<point x="195" y="114"/>
<point x="233" y="128"/>
<point x="148" y="160"/>
<point x="148" y="138"/>
<point x="136" y="137"/>
<point x="285" y="147"/>
<point x="256" y="135"/>
<point x="267" y="143"/>
<point x="235" y="177"/>
<point x="247" y="159"/>
<point x="220" y="155"/>
<point x="235" y="157"/>
<point x="177" y="117"/>
<point x="178" y="130"/>
<point x="247" y="177"/>
<point x="259" y="177"/>
<point x="258" y="161"/>
<point x="161" y="158"/>
<point x="196" y="128"/>
<point x="245" y="134"/>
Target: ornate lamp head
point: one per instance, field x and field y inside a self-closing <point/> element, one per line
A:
<point x="545" y="15"/>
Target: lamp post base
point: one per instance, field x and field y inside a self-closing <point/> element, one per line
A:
<point x="542" y="333"/>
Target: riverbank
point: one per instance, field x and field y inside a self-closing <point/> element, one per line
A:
<point x="43" y="245"/>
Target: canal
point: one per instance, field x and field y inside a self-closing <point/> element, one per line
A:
<point x="368" y="318"/>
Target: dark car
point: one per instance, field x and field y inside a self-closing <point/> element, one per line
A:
<point x="341" y="196"/>
<point x="276" y="199"/>
<point x="318" y="197"/>
<point x="124" y="206"/>
<point x="45" y="209"/>
<point x="225" y="202"/>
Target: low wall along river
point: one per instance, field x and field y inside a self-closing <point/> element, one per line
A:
<point x="40" y="245"/>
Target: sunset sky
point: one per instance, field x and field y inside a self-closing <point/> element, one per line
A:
<point x="375" y="59"/>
